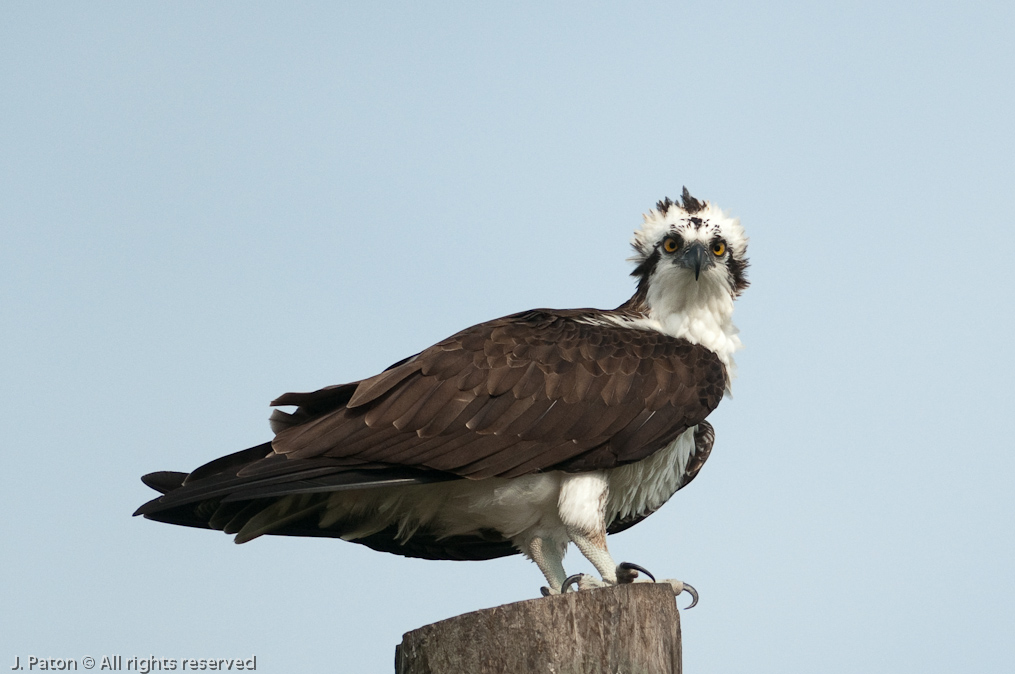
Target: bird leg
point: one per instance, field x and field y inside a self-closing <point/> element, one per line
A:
<point x="582" y="509"/>
<point x="582" y="506"/>
<point x="621" y="574"/>
<point x="593" y="547"/>
<point x="549" y="557"/>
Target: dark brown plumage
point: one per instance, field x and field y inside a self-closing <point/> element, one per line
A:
<point x="590" y="396"/>
<point x="536" y="391"/>
<point x="522" y="434"/>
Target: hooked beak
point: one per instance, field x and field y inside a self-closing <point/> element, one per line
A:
<point x="695" y="257"/>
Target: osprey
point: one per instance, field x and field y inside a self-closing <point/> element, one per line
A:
<point x="521" y="434"/>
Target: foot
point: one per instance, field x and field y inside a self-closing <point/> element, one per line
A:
<point x="583" y="581"/>
<point x="680" y="586"/>
<point x="627" y="572"/>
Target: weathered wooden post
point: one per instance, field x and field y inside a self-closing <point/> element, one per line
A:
<point x="627" y="629"/>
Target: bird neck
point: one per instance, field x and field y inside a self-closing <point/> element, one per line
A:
<point x="695" y="312"/>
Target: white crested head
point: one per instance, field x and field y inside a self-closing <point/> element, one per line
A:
<point x="692" y="221"/>
<point x="691" y="259"/>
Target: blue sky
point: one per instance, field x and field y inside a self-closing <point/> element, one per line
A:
<point x="204" y="206"/>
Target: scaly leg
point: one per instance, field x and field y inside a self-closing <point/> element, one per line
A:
<point x="594" y="548"/>
<point x="549" y="557"/>
<point x="582" y="509"/>
<point x="625" y="572"/>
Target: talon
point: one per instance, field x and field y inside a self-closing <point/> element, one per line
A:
<point x="628" y="571"/>
<point x="545" y="591"/>
<point x="569" y="581"/>
<point x="694" y="595"/>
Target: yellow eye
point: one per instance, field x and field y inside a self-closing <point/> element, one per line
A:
<point x="718" y="248"/>
<point x="670" y="245"/>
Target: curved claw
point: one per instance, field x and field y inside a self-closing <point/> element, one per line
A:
<point x="689" y="589"/>
<point x="631" y="566"/>
<point x="569" y="581"/>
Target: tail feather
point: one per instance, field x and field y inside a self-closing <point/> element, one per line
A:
<point x="164" y="481"/>
<point x="283" y="511"/>
<point x="256" y="492"/>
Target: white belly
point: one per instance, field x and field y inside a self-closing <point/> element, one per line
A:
<point x="645" y="486"/>
<point x="519" y="508"/>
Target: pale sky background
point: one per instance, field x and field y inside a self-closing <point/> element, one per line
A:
<point x="204" y="206"/>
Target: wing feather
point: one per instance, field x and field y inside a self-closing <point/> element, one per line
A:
<point x="537" y="391"/>
<point x="531" y="381"/>
<point x="463" y="404"/>
<point x="555" y="379"/>
<point x="370" y="389"/>
<point x="503" y="379"/>
<point x="510" y="415"/>
<point x="441" y="397"/>
<point x="490" y="413"/>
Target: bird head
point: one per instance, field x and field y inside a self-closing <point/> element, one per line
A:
<point x="689" y="252"/>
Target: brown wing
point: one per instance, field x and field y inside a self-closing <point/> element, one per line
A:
<point x="537" y="391"/>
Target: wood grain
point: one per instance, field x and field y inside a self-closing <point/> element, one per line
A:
<point x="628" y="629"/>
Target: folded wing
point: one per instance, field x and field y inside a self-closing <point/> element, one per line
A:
<point x="537" y="391"/>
